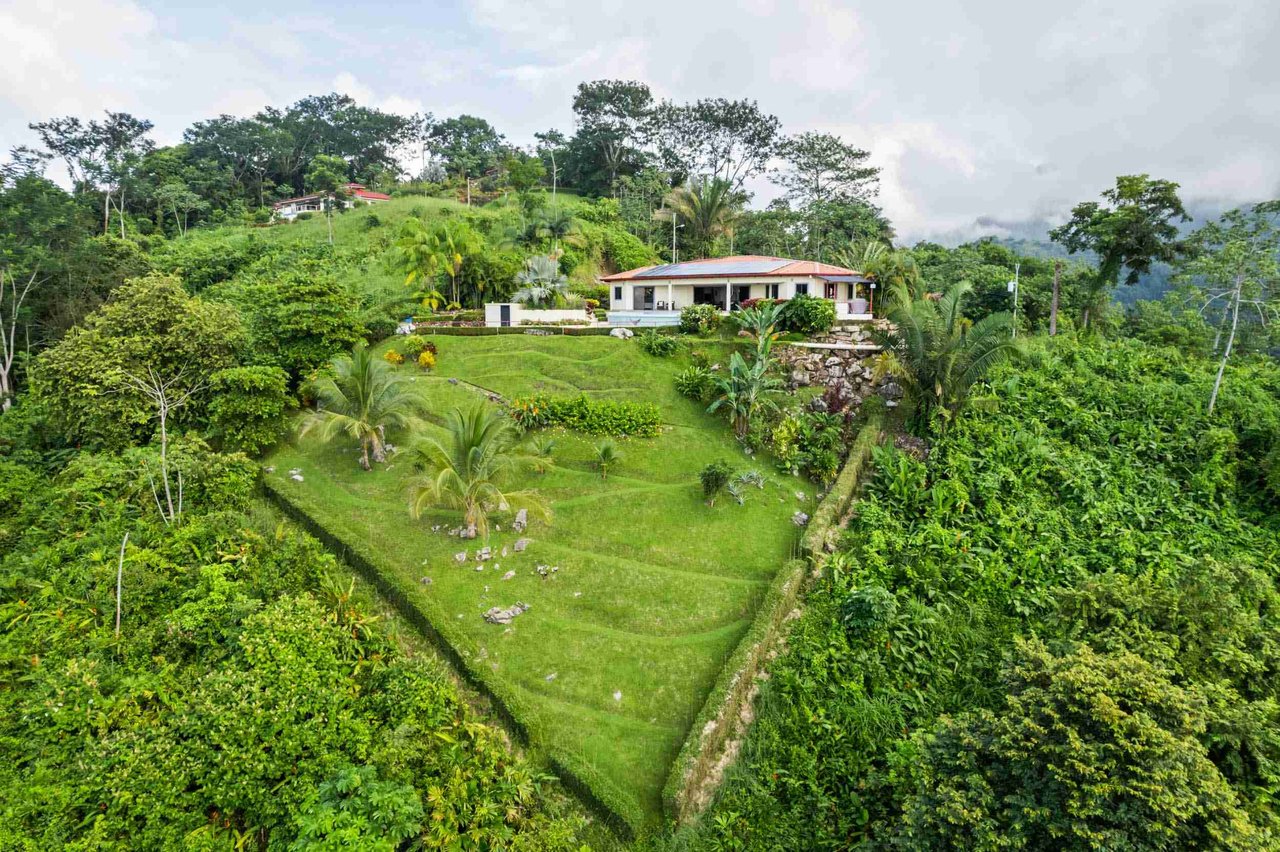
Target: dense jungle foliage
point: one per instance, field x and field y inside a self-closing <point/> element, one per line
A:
<point x="1057" y="631"/>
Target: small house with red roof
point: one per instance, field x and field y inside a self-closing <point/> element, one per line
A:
<point x="289" y="208"/>
<point x="655" y="295"/>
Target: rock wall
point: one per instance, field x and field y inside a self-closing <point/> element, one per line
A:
<point x="845" y="372"/>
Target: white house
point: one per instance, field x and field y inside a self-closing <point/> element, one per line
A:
<point x="654" y="295"/>
<point x="289" y="208"/>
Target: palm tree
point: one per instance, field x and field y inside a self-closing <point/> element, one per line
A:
<point x="890" y="267"/>
<point x="937" y="355"/>
<point x="709" y="207"/>
<point x="744" y="392"/>
<point x="362" y="397"/>
<point x="468" y="469"/>
<point x="607" y="455"/>
<point x="542" y="284"/>
<point x="558" y="224"/>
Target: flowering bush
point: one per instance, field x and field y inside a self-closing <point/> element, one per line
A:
<point x="393" y="357"/>
<point x="426" y="360"/>
<point x="414" y="344"/>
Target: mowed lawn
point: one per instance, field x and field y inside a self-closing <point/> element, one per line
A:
<point x="621" y="645"/>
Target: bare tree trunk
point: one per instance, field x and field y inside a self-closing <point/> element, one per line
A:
<point x="1053" y="305"/>
<point x="120" y="581"/>
<point x="1231" y="339"/>
<point x="106" y="211"/>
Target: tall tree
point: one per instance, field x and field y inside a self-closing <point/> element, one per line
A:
<point x="715" y="137"/>
<point x="467" y="146"/>
<point x="1234" y="264"/>
<point x="1134" y="228"/>
<point x="611" y="116"/>
<point x="327" y="176"/>
<point x="821" y="167"/>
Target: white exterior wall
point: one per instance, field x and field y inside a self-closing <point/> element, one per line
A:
<point x="520" y="315"/>
<point x="680" y="291"/>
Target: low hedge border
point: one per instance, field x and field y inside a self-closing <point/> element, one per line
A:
<point x="716" y="722"/>
<point x="618" y="810"/>
<point x="493" y="331"/>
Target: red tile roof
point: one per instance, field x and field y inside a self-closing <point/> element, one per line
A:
<point x="788" y="268"/>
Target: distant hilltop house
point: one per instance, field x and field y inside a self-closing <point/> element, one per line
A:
<point x="289" y="208"/>
<point x="654" y="295"/>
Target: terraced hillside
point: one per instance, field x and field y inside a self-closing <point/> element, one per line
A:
<point x="622" y="643"/>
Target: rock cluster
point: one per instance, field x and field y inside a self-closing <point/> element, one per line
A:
<point x="505" y="615"/>
<point x="622" y="333"/>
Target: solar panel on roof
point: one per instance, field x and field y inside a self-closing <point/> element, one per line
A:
<point x="711" y="267"/>
<point x="853" y="279"/>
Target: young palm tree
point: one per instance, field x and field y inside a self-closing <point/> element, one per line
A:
<point x="558" y="224"/>
<point x="607" y="455"/>
<point x="744" y="393"/>
<point x="708" y="207"/>
<point x="469" y="468"/>
<point x="362" y="397"/>
<point x="937" y="355"/>
<point x="414" y="254"/>
<point x="542" y="284"/>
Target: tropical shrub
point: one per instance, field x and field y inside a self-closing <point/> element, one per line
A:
<point x="426" y="359"/>
<point x="745" y="392"/>
<point x="606" y="456"/>
<point x="659" y="345"/>
<point x="393" y="357"/>
<point x="807" y="315"/>
<point x="248" y="406"/>
<point x="699" y="319"/>
<point x="696" y="383"/>
<point x="583" y="414"/>
<point x="714" y="477"/>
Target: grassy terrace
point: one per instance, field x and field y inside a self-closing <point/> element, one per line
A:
<point x="621" y="646"/>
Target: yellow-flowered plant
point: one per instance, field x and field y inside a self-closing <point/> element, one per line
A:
<point x="426" y="359"/>
<point x="394" y="357"/>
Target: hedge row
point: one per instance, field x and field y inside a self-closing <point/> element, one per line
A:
<point x="592" y="416"/>
<point x="826" y="518"/>
<point x="716" y="723"/>
<point x="492" y="331"/>
<point x="615" y="807"/>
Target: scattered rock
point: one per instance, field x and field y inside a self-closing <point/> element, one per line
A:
<point x="504" y="551"/>
<point x="480" y="567"/>
<point x="270" y="468"/>
<point x="915" y="447"/>
<point x="577" y="594"/>
<point x="460" y="557"/>
<point x="552" y="676"/>
<point x="508" y="575"/>
<point x="818" y="404"/>
<point x="453" y="381"/>
<point x="617" y="695"/>
<point x="482" y="554"/>
<point x="521" y="544"/>
<point x="470" y="531"/>
<point x="891" y="390"/>
<point x="297" y="477"/>
<point x="622" y="333"/>
<point x="521" y="521"/>
<point x="505" y="615"/>
<point x="800" y="519"/>
<point x="801" y="496"/>
<point x="426" y="581"/>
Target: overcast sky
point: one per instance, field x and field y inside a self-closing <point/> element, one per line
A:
<point x="984" y="115"/>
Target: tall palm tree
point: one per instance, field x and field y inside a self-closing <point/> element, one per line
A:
<point x="362" y="397"/>
<point x="542" y="284"/>
<point x="744" y="392"/>
<point x="709" y="207"/>
<point x="468" y="469"/>
<point x="937" y="355"/>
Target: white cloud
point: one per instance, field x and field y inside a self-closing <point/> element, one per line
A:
<point x="980" y="118"/>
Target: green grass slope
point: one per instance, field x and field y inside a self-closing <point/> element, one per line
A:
<point x="622" y="644"/>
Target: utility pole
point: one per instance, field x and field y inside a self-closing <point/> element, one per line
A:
<point x="1013" y="288"/>
<point x="1053" y="305"/>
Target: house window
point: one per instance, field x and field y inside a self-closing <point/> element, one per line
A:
<point x="772" y="290"/>
<point x="802" y="288"/>
<point x="617" y="294"/>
